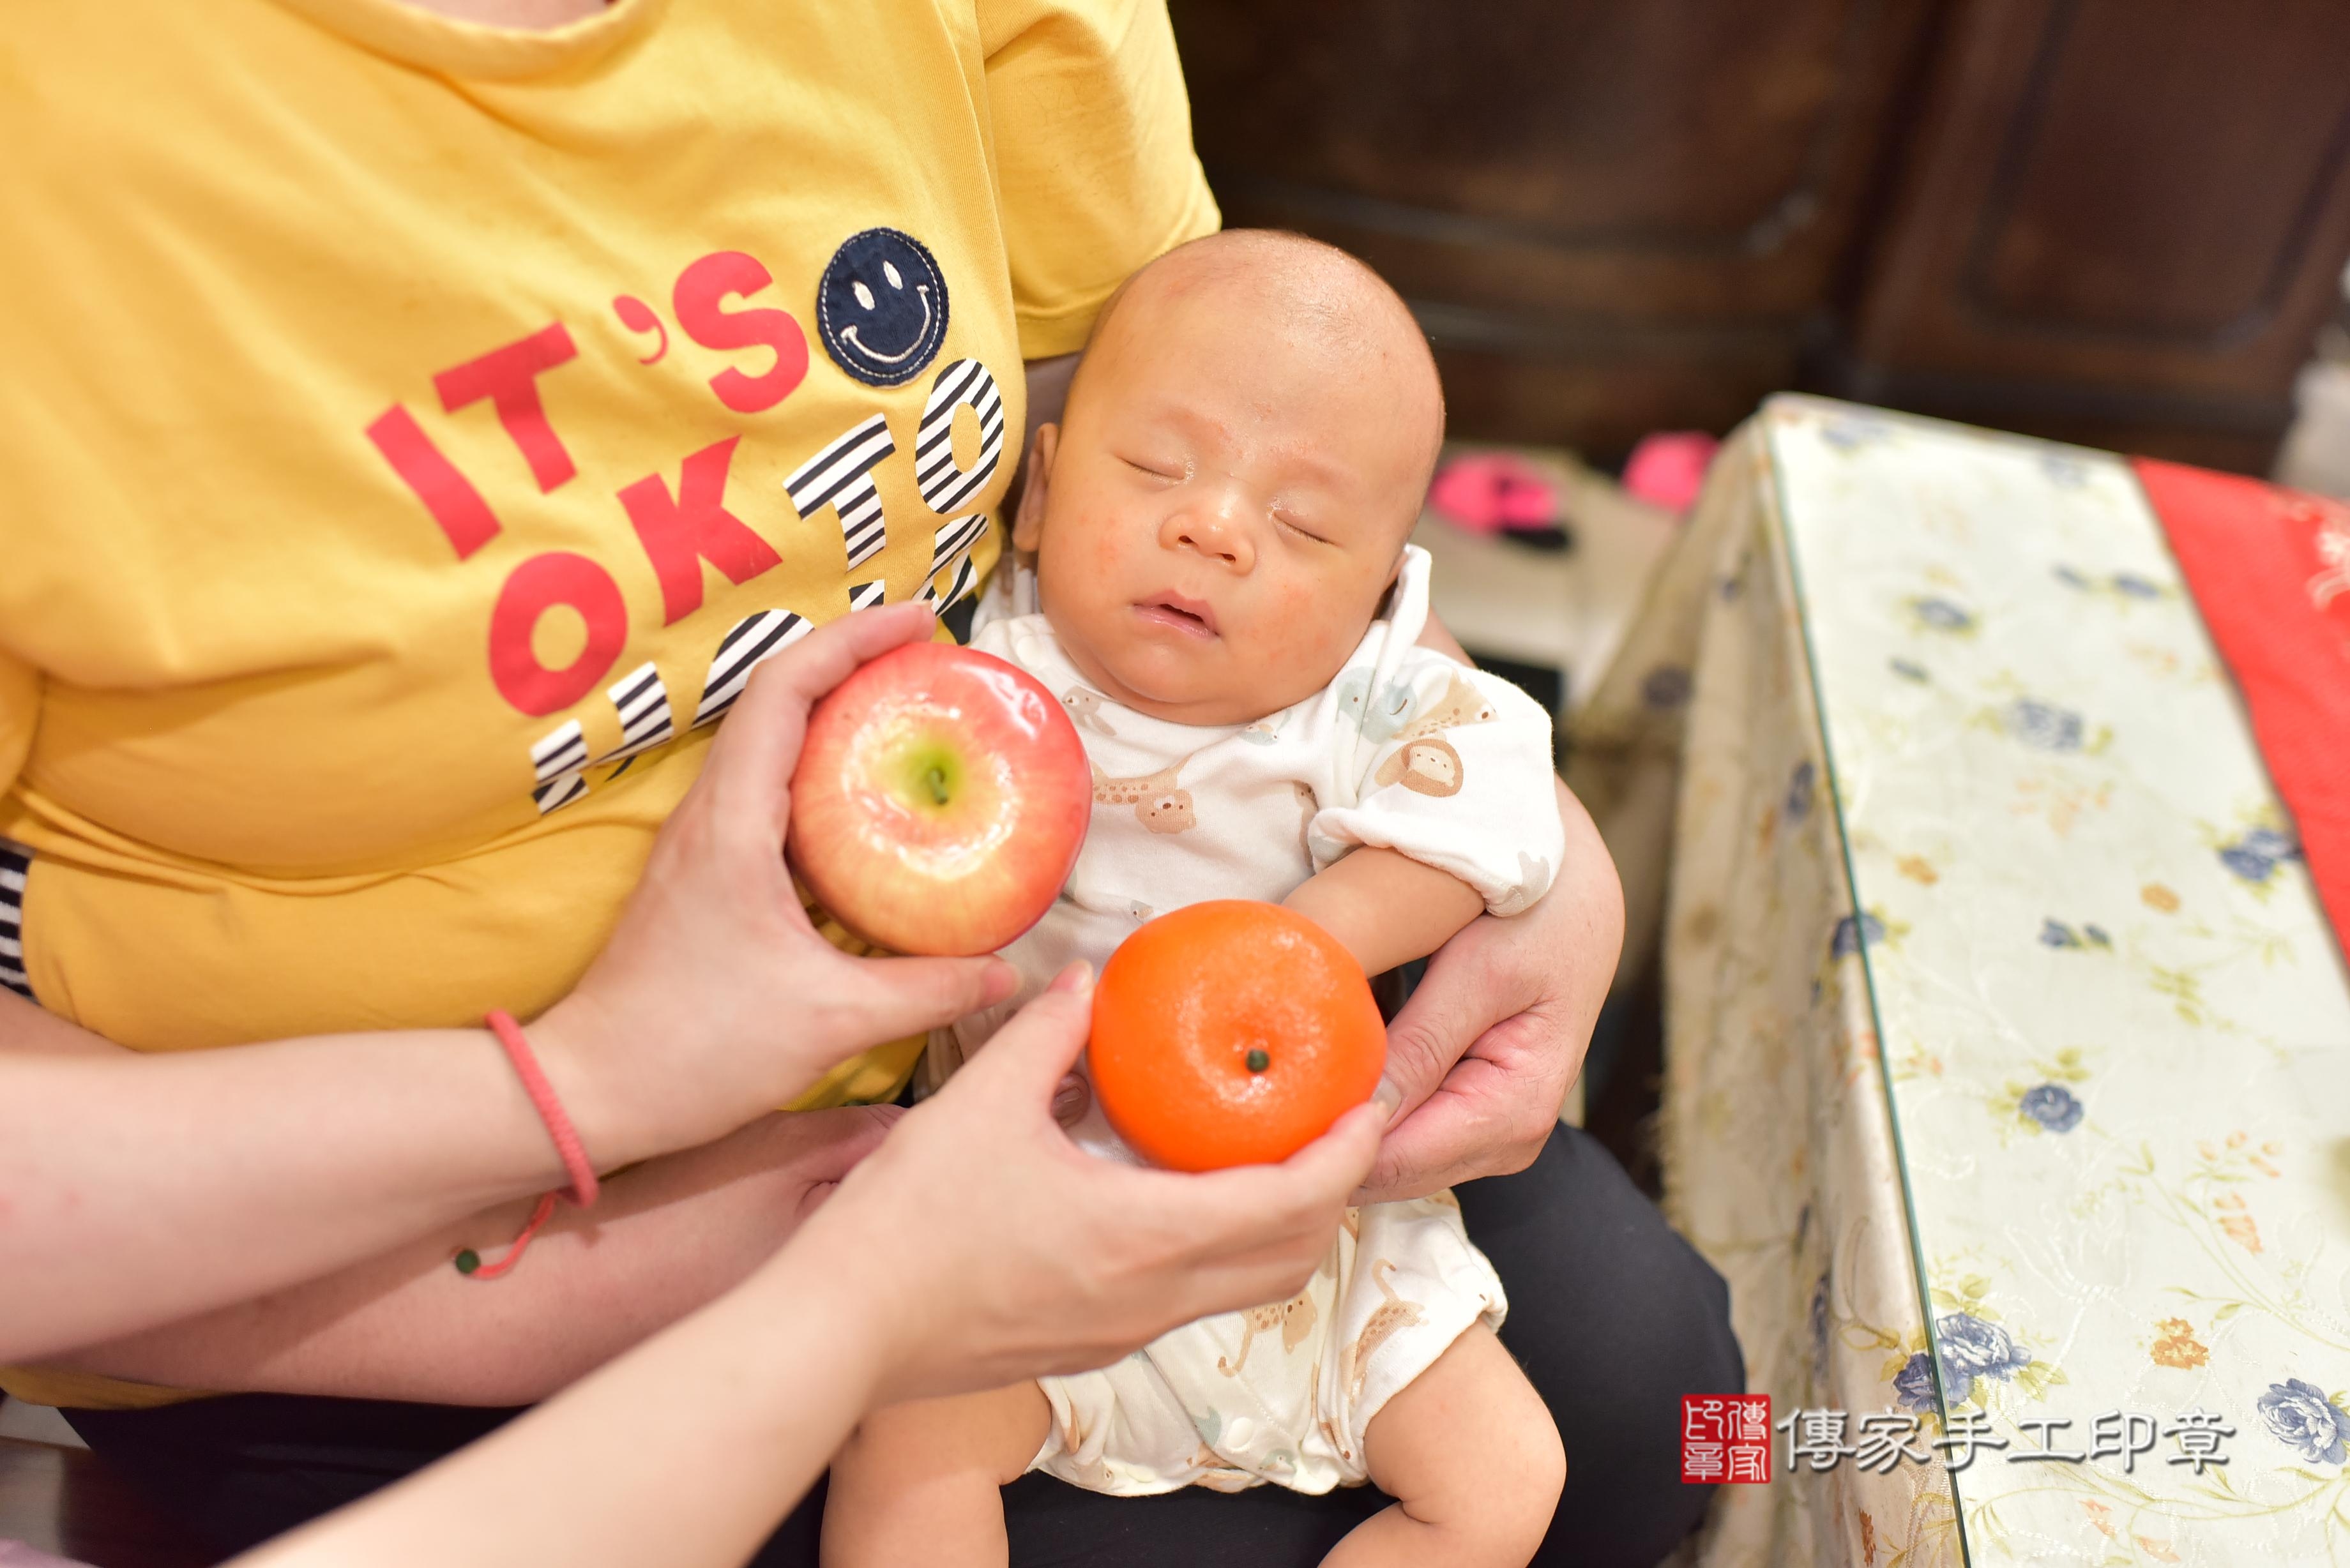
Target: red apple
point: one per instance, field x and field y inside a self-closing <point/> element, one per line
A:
<point x="940" y="801"/>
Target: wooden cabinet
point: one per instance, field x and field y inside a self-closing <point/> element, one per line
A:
<point x="2123" y="222"/>
<point x="2114" y="219"/>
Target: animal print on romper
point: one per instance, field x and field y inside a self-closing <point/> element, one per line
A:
<point x="1294" y="1318"/>
<point x="1158" y="804"/>
<point x="1084" y="710"/>
<point x="1425" y="763"/>
<point x="1391" y="1315"/>
<point x="1380" y="716"/>
<point x="1427" y="767"/>
<point x="1462" y="705"/>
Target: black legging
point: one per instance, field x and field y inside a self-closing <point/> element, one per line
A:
<point x="1612" y="1314"/>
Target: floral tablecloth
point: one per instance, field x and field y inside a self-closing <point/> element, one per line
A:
<point x="1994" y="984"/>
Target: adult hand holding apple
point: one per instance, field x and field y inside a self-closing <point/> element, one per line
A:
<point x="714" y="998"/>
<point x="940" y="801"/>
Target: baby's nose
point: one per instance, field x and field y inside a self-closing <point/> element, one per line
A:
<point x="1210" y="535"/>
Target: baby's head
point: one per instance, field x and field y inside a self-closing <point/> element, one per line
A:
<point x="1228" y="495"/>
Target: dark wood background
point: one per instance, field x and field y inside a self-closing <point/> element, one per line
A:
<point x="2119" y="221"/>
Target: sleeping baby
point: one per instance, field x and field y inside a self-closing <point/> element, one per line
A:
<point x="1222" y="597"/>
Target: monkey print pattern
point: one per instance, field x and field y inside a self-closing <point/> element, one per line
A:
<point x="1084" y="710"/>
<point x="1425" y="763"/>
<point x="1387" y="1319"/>
<point x="1428" y="766"/>
<point x="1159" y="804"/>
<point x="1294" y="1318"/>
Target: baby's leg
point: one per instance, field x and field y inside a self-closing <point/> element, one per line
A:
<point x="918" y="1483"/>
<point x="1470" y="1454"/>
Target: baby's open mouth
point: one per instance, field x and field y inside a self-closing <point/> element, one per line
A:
<point x="1179" y="614"/>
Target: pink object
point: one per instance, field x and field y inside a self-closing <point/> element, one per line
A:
<point x="1668" y="467"/>
<point x="16" y="1554"/>
<point x="550" y="1109"/>
<point x="1493" y="491"/>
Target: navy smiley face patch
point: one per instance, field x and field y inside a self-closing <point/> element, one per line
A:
<point x="881" y="306"/>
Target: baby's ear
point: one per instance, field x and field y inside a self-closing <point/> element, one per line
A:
<point x="1028" y="522"/>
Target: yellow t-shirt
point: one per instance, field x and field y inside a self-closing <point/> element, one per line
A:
<point x="412" y="431"/>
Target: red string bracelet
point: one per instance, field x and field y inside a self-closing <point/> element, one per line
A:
<point x="583" y="1189"/>
<point x="469" y="1262"/>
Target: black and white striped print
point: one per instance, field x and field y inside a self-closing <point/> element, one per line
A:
<point x="966" y="577"/>
<point x="754" y="640"/>
<point x="956" y="538"/>
<point x="556" y="759"/>
<point x="944" y="486"/>
<point x="560" y="757"/>
<point x="841" y="477"/>
<point x="645" y="718"/>
<point x="14" y="864"/>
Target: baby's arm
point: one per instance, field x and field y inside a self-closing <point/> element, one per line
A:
<point x="1387" y="907"/>
<point x="1451" y="816"/>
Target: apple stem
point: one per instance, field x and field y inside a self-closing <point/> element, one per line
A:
<point x="937" y="779"/>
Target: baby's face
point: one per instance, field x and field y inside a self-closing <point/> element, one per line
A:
<point x="1225" y="504"/>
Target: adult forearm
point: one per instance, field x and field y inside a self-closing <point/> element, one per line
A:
<point x="977" y="1248"/>
<point x="141" y="1189"/>
<point x="664" y="1239"/>
<point x="730" y="1416"/>
<point x="1592" y="900"/>
<point x="144" y="1188"/>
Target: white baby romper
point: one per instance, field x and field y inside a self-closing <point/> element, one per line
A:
<point x="1406" y="750"/>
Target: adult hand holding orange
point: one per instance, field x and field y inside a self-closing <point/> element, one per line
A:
<point x="1015" y="1253"/>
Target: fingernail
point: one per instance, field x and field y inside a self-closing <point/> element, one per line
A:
<point x="998" y="984"/>
<point x="1386" y="1096"/>
<point x="1077" y="978"/>
<point x="1070" y="1100"/>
